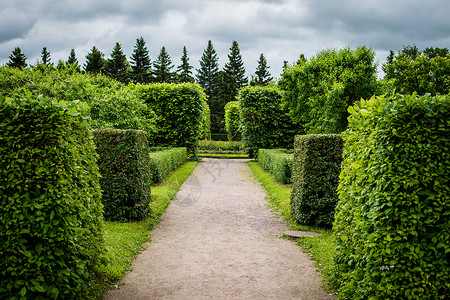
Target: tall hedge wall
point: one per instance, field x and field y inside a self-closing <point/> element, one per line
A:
<point x="265" y="124"/>
<point x="181" y="113"/>
<point x="51" y="225"/>
<point x="125" y="170"/>
<point x="233" y="121"/>
<point x="393" y="216"/>
<point x="315" y="177"/>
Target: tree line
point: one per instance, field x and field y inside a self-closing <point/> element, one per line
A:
<point x="221" y="86"/>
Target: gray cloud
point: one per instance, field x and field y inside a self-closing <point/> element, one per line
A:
<point x="281" y="29"/>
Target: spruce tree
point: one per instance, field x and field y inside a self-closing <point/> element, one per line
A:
<point x="140" y="63"/>
<point x="117" y="66"/>
<point x="184" y="70"/>
<point x="45" y="55"/>
<point x="72" y="60"/>
<point x="262" y="76"/>
<point x="17" y="59"/>
<point x="94" y="61"/>
<point x="162" y="67"/>
<point x="235" y="67"/>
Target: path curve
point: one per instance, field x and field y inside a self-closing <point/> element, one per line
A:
<point x="219" y="240"/>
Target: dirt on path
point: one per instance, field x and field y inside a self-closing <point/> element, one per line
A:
<point x="219" y="240"/>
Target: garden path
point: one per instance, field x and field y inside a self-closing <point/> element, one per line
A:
<point x="218" y="239"/>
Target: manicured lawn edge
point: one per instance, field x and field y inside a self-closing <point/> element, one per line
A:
<point x="321" y="248"/>
<point x="124" y="241"/>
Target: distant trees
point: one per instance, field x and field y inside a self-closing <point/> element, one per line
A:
<point x="235" y="69"/>
<point x="140" y="63"/>
<point x="45" y="56"/>
<point x="262" y="75"/>
<point x="117" y="66"/>
<point x="17" y="59"/>
<point x="72" y="60"/>
<point x="94" y="61"/>
<point x="184" y="71"/>
<point x="162" y="67"/>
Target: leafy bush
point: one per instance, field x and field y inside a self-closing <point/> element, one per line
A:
<point x="51" y="226"/>
<point x="221" y="146"/>
<point x="165" y="161"/>
<point x="318" y="91"/>
<point x="278" y="162"/>
<point x="233" y="121"/>
<point x="393" y="215"/>
<point x="315" y="176"/>
<point x="126" y="176"/>
<point x="181" y="113"/>
<point x="265" y="123"/>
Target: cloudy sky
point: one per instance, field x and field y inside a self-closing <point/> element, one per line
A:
<point x="281" y="29"/>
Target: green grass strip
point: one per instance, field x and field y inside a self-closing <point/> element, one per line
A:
<point x="124" y="241"/>
<point x="321" y="248"/>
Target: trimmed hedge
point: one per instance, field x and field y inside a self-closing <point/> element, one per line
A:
<point x="51" y="225"/>
<point x="278" y="162"/>
<point x="165" y="161"/>
<point x="393" y="216"/>
<point x="233" y="121"/>
<point x="315" y="177"/>
<point x="126" y="176"/>
<point x="265" y="123"/>
<point x="181" y="111"/>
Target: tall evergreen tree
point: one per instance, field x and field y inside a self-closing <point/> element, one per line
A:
<point x="17" y="59"/>
<point x="72" y="60"/>
<point x="262" y="76"/>
<point x="162" y="67"/>
<point x="45" y="56"/>
<point x="94" y="61"/>
<point x="117" y="66"/>
<point x="235" y="67"/>
<point x="209" y="79"/>
<point x="184" y="73"/>
<point x="140" y="63"/>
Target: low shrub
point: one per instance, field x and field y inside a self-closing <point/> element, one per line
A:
<point x="315" y="176"/>
<point x="126" y="176"/>
<point x="233" y="121"/>
<point x="278" y="162"/>
<point x="165" y="161"/>
<point x="393" y="215"/>
<point x="221" y="146"/>
<point x="51" y="225"/>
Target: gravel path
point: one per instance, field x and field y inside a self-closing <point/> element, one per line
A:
<point x="219" y="240"/>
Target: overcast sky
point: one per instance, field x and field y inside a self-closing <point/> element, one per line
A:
<point x="281" y="29"/>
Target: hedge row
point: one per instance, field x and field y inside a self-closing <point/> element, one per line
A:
<point x="265" y="123"/>
<point x="182" y="112"/>
<point x="315" y="177"/>
<point x="165" y="161"/>
<point x="51" y="226"/>
<point x="393" y="216"/>
<point x="233" y="121"/>
<point x="278" y="162"/>
<point x="125" y="170"/>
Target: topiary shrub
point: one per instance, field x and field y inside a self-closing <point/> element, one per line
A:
<point x="51" y="225"/>
<point x="165" y="161"/>
<point x="233" y="121"/>
<point x="278" y="162"/>
<point x="265" y="123"/>
<point x="392" y="223"/>
<point x="125" y="170"/>
<point x="315" y="176"/>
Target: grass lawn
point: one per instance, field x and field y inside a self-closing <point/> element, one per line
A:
<point x="321" y="248"/>
<point x="125" y="240"/>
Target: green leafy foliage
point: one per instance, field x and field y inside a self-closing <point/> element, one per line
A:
<point x="393" y="216"/>
<point x="319" y="91"/>
<point x="315" y="177"/>
<point x="165" y="161"/>
<point x="278" y="162"/>
<point x="265" y="123"/>
<point x="233" y="121"/>
<point x="208" y="146"/>
<point x="51" y="225"/>
<point x="126" y="176"/>
<point x="181" y="110"/>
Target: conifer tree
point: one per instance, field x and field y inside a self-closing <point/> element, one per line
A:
<point x="162" y="67"/>
<point x="262" y="76"/>
<point x="140" y="63"/>
<point x="94" y="61"/>
<point x="235" y="67"/>
<point x="184" y="70"/>
<point x="72" y="60"/>
<point x="17" y="59"/>
<point x="45" y="55"/>
<point x="117" y="66"/>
